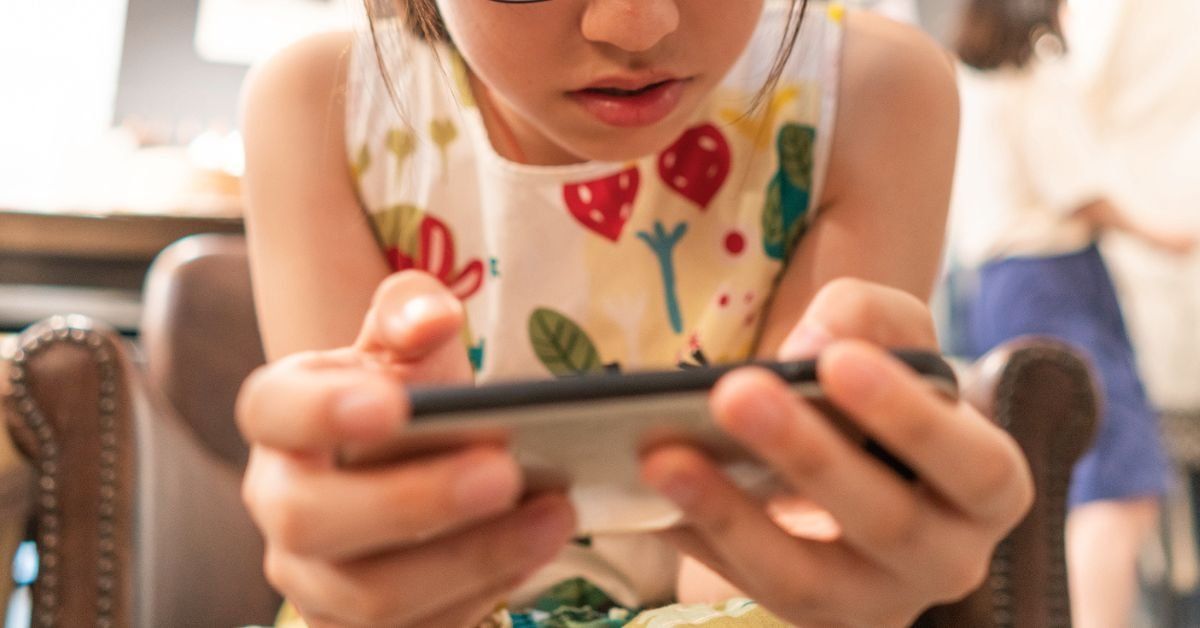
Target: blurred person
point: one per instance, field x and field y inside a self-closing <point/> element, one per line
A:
<point x="1140" y="74"/>
<point x="1030" y="203"/>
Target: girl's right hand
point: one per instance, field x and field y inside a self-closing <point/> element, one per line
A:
<point x="435" y="541"/>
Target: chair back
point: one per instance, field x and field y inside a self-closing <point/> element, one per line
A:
<point x="199" y="335"/>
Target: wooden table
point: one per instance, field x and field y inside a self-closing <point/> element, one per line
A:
<point x="93" y="263"/>
<point x="114" y="236"/>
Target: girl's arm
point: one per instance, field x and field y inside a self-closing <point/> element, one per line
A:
<point x="863" y="271"/>
<point x="429" y="542"/>
<point x="883" y="212"/>
<point x="314" y="261"/>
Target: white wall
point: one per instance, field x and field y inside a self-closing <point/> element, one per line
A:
<point x="58" y="76"/>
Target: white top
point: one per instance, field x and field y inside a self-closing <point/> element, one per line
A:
<point x="664" y="260"/>
<point x="1026" y="162"/>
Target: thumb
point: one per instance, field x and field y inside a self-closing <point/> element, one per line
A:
<point x="413" y="317"/>
<point x="855" y="309"/>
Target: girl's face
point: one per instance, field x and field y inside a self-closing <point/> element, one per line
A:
<point x="598" y="79"/>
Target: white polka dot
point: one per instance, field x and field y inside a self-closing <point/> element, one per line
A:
<point x="681" y="182"/>
<point x="669" y="160"/>
<point x="707" y="143"/>
<point x="585" y="194"/>
<point x="597" y="216"/>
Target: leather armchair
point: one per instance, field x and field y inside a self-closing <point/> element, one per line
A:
<point x="136" y="462"/>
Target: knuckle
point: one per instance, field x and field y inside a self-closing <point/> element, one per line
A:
<point x="898" y="531"/>
<point x="719" y="522"/>
<point x="282" y="517"/>
<point x="917" y="430"/>
<point x="1006" y="477"/>
<point x="247" y="397"/>
<point x="807" y="461"/>
<point x="964" y="573"/>
<point x="997" y="475"/>
<point x="278" y="572"/>
<point x="373" y="608"/>
<point x="489" y="558"/>
<point x="804" y="599"/>
<point x="289" y="528"/>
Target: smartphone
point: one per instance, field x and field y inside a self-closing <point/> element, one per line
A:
<point x="585" y="434"/>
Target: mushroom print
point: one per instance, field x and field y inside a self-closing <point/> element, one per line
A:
<point x="604" y="205"/>
<point x="697" y="164"/>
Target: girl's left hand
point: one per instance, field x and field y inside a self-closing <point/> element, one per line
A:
<point x="903" y="546"/>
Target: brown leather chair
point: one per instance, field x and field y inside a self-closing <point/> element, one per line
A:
<point x="137" y="463"/>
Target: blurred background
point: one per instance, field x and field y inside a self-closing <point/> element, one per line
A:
<point x="118" y="135"/>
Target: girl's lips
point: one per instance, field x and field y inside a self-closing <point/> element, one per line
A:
<point x="644" y="107"/>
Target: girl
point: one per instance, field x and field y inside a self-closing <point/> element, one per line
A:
<point x="572" y="186"/>
<point x="1030" y="204"/>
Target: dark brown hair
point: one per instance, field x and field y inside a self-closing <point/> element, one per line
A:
<point x="1004" y="33"/>
<point x="425" y="21"/>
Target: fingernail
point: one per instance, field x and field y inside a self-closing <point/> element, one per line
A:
<point x="365" y="412"/>
<point x="487" y="486"/>
<point x="419" y="309"/>
<point x="805" y="342"/>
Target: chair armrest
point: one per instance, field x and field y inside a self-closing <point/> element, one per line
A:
<point x="1042" y="393"/>
<point x="16" y="491"/>
<point x="136" y="523"/>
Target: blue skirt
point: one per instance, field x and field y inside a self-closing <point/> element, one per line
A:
<point x="1071" y="297"/>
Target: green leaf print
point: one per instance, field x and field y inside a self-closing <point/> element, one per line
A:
<point x="399" y="226"/>
<point x="795" y="148"/>
<point x="789" y="192"/>
<point x="774" y="236"/>
<point x="562" y="345"/>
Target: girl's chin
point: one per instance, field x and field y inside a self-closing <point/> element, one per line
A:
<point x="624" y="145"/>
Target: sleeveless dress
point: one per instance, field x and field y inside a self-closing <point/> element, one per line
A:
<point x="667" y="260"/>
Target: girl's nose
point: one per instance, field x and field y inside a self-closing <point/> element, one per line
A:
<point x="631" y="25"/>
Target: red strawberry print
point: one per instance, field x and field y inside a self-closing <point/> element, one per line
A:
<point x="697" y="164"/>
<point x="436" y="257"/>
<point x="604" y="205"/>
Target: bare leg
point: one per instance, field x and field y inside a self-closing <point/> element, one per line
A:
<point x="1103" y="542"/>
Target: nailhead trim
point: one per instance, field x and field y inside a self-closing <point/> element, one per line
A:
<point x="78" y="331"/>
<point x="1058" y="480"/>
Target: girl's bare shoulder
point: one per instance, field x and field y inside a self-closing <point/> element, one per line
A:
<point x="897" y="103"/>
<point x="883" y="58"/>
<point x="313" y="68"/>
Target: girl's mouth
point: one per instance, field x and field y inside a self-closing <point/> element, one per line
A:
<point x="631" y="107"/>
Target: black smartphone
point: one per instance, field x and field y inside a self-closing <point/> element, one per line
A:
<point x="584" y="434"/>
